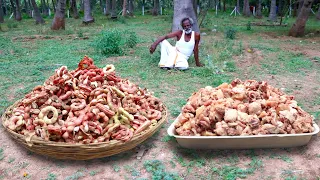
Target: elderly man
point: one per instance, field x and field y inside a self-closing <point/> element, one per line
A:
<point x="177" y="56"/>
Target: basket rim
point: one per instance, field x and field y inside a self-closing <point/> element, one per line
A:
<point x="37" y="140"/>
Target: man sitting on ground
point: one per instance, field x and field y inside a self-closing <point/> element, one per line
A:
<point x="187" y="42"/>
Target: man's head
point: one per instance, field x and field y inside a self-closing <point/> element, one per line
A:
<point x="186" y="24"/>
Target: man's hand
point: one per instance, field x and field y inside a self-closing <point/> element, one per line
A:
<point x="152" y="48"/>
<point x="199" y="64"/>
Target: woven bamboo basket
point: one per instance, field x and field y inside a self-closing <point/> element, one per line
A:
<point x="61" y="150"/>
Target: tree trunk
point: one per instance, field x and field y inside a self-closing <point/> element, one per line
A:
<point x="211" y="4"/>
<point x="36" y="13"/>
<point x="131" y="7"/>
<point x="318" y="14"/>
<point x="246" y="8"/>
<point x="13" y="8"/>
<point x="82" y="5"/>
<point x="18" y="11"/>
<point x="155" y="10"/>
<point x="54" y="6"/>
<point x="59" y="19"/>
<point x="45" y="8"/>
<point x="108" y="7"/>
<point x="1" y="13"/>
<point x="298" y="27"/>
<point x="273" y="10"/>
<point x="124" y="8"/>
<point x="114" y="9"/>
<point x="184" y="9"/>
<point x="224" y="5"/>
<point x="280" y="7"/>
<point x="74" y="9"/>
<point x="300" y="6"/>
<point x="238" y="5"/>
<point x="195" y="6"/>
<point x="87" y="12"/>
<point x="101" y="5"/>
<point x="259" y="14"/>
<point x="219" y="4"/>
<point x="26" y="8"/>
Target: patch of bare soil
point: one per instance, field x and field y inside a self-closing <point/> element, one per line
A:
<point x="13" y="90"/>
<point x="250" y="57"/>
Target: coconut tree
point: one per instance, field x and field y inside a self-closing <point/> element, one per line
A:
<point x="114" y="9"/>
<point x="184" y="9"/>
<point x="45" y="9"/>
<point x="124" y="8"/>
<point x="273" y="11"/>
<point x="36" y="14"/>
<point x="26" y="7"/>
<point x="155" y="10"/>
<point x="18" y="11"/>
<point x="297" y="28"/>
<point x="13" y="8"/>
<point x="108" y="7"/>
<point x="238" y="5"/>
<point x="87" y="12"/>
<point x="59" y="19"/>
<point x="131" y="7"/>
<point x="259" y="13"/>
<point x="74" y="9"/>
<point x="246" y="8"/>
<point x="1" y="13"/>
<point x="53" y="5"/>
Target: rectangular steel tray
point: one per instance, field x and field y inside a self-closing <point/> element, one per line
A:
<point x="242" y="142"/>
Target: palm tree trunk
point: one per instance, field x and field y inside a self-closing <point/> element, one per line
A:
<point x="211" y="4"/>
<point x="54" y="6"/>
<point x="74" y="9"/>
<point x="273" y="11"/>
<point x="131" y="7"/>
<point x="114" y="9"/>
<point x="298" y="27"/>
<point x="87" y="12"/>
<point x="36" y="13"/>
<point x="318" y="14"/>
<point x="1" y="13"/>
<point x="246" y="8"/>
<point x="280" y="7"/>
<point x="184" y="9"/>
<point x="224" y="5"/>
<point x="259" y="14"/>
<point x="18" y="11"/>
<point x="101" y="5"/>
<point x="59" y="19"/>
<point x="13" y="8"/>
<point x="108" y="7"/>
<point x="26" y="7"/>
<point x="238" y="5"/>
<point x="155" y="10"/>
<point x="195" y="5"/>
<point x="300" y="6"/>
<point x="45" y="8"/>
<point x="124" y="8"/>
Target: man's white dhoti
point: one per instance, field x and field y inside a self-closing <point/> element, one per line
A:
<point x="171" y="57"/>
<point x="177" y="57"/>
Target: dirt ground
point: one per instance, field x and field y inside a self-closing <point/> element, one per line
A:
<point x="294" y="163"/>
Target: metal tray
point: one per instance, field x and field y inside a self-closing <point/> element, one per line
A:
<point x="242" y="142"/>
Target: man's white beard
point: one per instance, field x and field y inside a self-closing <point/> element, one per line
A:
<point x="188" y="31"/>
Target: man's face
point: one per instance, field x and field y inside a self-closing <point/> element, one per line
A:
<point x="186" y="25"/>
